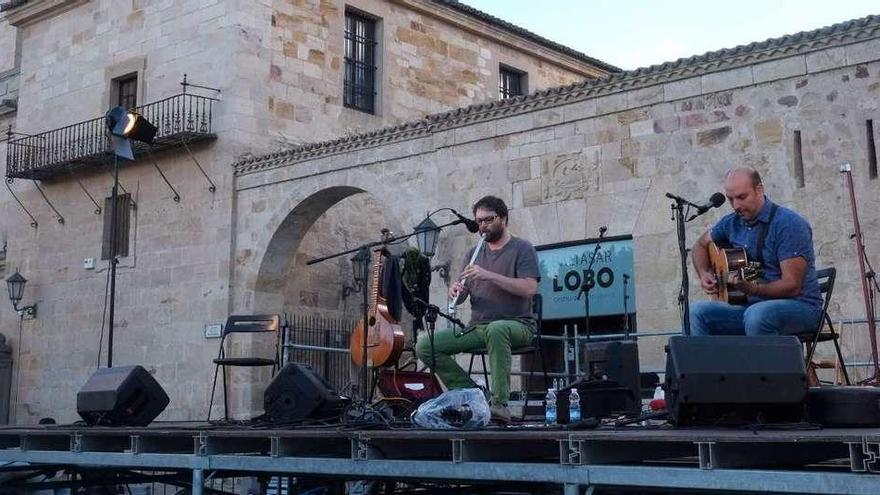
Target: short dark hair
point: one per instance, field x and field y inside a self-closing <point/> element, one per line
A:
<point x="491" y="203"/>
<point x="756" y="178"/>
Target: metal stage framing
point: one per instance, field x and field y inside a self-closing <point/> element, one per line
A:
<point x="832" y="461"/>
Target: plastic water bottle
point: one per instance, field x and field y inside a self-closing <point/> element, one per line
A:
<point x="659" y="393"/>
<point x="574" y="406"/>
<point x="658" y="403"/>
<point x="550" y="407"/>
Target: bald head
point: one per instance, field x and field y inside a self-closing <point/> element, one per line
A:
<point x="744" y="190"/>
<point x="744" y="173"/>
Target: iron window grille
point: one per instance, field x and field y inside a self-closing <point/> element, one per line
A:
<point x="511" y="83"/>
<point x="360" y="63"/>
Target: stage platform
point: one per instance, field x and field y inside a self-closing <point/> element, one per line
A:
<point x="784" y="460"/>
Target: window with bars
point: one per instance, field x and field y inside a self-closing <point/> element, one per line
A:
<point x="360" y="62"/>
<point x="126" y="91"/>
<point x="512" y="82"/>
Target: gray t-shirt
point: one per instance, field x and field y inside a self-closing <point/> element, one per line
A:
<point x="517" y="259"/>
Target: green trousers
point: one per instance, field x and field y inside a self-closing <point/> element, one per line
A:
<point x="497" y="337"/>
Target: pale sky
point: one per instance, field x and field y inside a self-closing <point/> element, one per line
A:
<point x="638" y="33"/>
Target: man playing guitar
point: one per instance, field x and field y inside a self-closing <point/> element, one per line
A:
<point x="786" y="300"/>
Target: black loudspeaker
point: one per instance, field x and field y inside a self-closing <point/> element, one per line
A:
<point x="735" y="380"/>
<point x="121" y="396"/>
<point x="297" y="393"/>
<point x="844" y="406"/>
<point x="618" y="361"/>
<point x="599" y="399"/>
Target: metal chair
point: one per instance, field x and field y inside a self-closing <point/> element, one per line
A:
<point x="826" y="277"/>
<point x="249" y="324"/>
<point x="534" y="348"/>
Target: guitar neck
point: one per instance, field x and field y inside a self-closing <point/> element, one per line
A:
<point x="375" y="271"/>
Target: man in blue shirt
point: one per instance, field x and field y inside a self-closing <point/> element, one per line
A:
<point x="786" y="300"/>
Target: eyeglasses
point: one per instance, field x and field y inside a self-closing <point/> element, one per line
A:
<point x="487" y="220"/>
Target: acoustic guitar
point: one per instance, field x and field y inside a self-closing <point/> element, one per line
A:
<point x="728" y="263"/>
<point x="384" y="335"/>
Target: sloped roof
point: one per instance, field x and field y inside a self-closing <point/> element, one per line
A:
<point x="524" y="33"/>
<point x="744" y="55"/>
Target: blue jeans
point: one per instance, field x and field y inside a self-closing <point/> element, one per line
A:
<point x="771" y="317"/>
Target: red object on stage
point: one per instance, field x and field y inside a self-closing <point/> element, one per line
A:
<point x="415" y="386"/>
<point x="657" y="404"/>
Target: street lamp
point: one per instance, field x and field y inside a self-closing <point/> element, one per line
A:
<point x="426" y="239"/>
<point x="359" y="267"/>
<point x="15" y="284"/>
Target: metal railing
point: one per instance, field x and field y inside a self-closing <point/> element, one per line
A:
<point x="321" y="343"/>
<point x="179" y="119"/>
<point x="12" y="4"/>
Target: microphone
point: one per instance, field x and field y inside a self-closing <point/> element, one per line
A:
<point x="470" y="224"/>
<point x="715" y="201"/>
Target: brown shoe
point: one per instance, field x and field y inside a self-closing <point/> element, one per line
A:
<point x="500" y="414"/>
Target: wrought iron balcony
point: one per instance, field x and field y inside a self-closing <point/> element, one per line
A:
<point x="180" y="119"/>
<point x="12" y="4"/>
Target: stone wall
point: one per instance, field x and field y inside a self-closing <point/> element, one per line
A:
<point x="429" y="61"/>
<point x="7" y="47"/>
<point x="570" y="160"/>
<point x="176" y="279"/>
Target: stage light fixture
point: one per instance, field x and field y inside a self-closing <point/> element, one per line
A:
<point x="127" y="124"/>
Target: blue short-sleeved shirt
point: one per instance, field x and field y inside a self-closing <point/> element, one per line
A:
<point x="788" y="236"/>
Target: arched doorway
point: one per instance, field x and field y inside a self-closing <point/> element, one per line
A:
<point x="321" y="312"/>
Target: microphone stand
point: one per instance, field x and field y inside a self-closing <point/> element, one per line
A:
<point x="866" y="274"/>
<point x="585" y="290"/>
<point x="365" y="250"/>
<point x="431" y="314"/>
<point x="678" y="215"/>
<point x="585" y="287"/>
<point x="625" y="307"/>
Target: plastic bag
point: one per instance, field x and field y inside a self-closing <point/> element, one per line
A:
<point x="459" y="408"/>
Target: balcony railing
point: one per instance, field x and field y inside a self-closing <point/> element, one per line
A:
<point x="180" y="119"/>
<point x="12" y="4"/>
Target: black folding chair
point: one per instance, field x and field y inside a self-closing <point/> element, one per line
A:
<point x="245" y="324"/>
<point x="533" y="348"/>
<point x="810" y="340"/>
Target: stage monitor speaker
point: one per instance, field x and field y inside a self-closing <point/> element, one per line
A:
<point x="121" y="396"/>
<point x="735" y="380"/>
<point x="844" y="407"/>
<point x="298" y="393"/>
<point x="618" y="361"/>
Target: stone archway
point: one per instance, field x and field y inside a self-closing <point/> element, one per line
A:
<point x="329" y="221"/>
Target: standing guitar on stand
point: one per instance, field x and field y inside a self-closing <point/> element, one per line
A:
<point x="365" y="251"/>
<point x="384" y="336"/>
<point x="785" y="300"/>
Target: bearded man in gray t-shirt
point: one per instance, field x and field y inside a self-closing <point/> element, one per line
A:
<point x="500" y="283"/>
